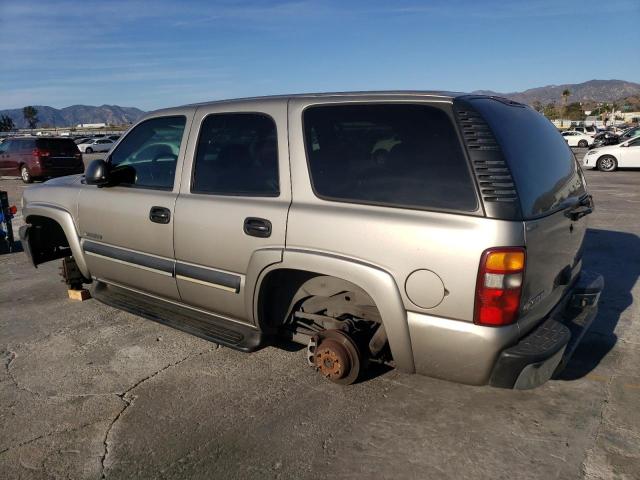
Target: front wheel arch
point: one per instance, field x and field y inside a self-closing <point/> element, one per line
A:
<point x="34" y="211"/>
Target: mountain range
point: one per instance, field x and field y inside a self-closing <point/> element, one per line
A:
<point x="591" y="91"/>
<point x="587" y="92"/>
<point x="76" y="114"/>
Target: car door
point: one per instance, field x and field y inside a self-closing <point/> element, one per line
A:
<point x="231" y="213"/>
<point x="630" y="154"/>
<point x="127" y="229"/>
<point x="568" y="137"/>
<point x="104" y="145"/>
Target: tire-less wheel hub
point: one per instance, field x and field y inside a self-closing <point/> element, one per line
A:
<point x="336" y="356"/>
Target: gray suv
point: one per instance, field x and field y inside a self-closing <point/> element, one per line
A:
<point x="439" y="233"/>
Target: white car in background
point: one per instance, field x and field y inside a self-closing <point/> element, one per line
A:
<point x="612" y="157"/>
<point x="96" y="145"/>
<point x="577" y="139"/>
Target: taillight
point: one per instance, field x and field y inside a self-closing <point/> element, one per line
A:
<point x="37" y="152"/>
<point x="499" y="286"/>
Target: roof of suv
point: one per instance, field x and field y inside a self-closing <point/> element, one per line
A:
<point x="421" y="93"/>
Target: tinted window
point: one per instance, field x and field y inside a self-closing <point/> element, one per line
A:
<point x="147" y="156"/>
<point x="237" y="155"/>
<point x="57" y="145"/>
<point x="397" y="155"/>
<point x="543" y="167"/>
<point x="22" y="145"/>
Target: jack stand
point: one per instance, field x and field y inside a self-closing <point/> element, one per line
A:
<point x="72" y="276"/>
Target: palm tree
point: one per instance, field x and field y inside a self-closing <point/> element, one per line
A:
<point x="6" y="123"/>
<point x="31" y="116"/>
<point x="565" y="99"/>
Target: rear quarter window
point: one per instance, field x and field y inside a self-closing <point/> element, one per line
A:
<point x="57" y="145"/>
<point x="402" y="155"/>
<point x="543" y="166"/>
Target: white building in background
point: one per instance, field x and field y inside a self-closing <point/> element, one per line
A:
<point x="91" y="125"/>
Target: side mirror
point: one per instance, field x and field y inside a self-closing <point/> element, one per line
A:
<point x="97" y="173"/>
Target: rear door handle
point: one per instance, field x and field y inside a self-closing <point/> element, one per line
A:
<point x="160" y="215"/>
<point x="257" y="227"/>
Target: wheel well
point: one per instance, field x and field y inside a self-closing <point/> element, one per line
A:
<point x="276" y="292"/>
<point x="281" y="290"/>
<point x="47" y="240"/>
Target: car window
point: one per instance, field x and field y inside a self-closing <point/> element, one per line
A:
<point x="543" y="166"/>
<point x="104" y="141"/>
<point x="21" y="146"/>
<point x="4" y="146"/>
<point x="237" y="154"/>
<point x="388" y="154"/>
<point x="57" y="145"/>
<point x="147" y="156"/>
<point x="634" y="143"/>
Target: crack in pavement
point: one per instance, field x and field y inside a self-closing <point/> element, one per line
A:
<point x="48" y="434"/>
<point x="128" y="401"/>
<point x="586" y="470"/>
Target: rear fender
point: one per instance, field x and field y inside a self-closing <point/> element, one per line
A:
<point x="377" y="283"/>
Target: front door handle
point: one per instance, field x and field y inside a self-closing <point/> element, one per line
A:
<point x="160" y="215"/>
<point x="257" y="227"/>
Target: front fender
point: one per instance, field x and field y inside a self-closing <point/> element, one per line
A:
<point x="379" y="284"/>
<point x="65" y="220"/>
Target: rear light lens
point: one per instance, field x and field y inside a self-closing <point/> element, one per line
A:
<point x="13" y="210"/>
<point x="37" y="152"/>
<point x="499" y="286"/>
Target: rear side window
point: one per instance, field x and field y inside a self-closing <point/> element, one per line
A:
<point x="237" y="155"/>
<point x="543" y="167"/>
<point x="388" y="154"/>
<point x="22" y="145"/>
<point x="55" y="145"/>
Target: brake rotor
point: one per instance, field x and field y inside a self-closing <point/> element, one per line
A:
<point x="337" y="357"/>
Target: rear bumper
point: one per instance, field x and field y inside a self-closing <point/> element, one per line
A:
<point x="548" y="348"/>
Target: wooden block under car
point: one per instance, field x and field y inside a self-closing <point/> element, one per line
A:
<point x="79" y="295"/>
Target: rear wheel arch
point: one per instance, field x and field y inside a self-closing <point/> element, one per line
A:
<point x="279" y="283"/>
<point x="283" y="288"/>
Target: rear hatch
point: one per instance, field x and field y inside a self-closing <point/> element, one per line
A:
<point x="63" y="153"/>
<point x="550" y="198"/>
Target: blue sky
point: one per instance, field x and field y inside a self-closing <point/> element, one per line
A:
<point x="153" y="54"/>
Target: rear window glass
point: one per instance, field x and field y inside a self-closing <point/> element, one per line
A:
<point x="388" y="154"/>
<point x="57" y="145"/>
<point x="543" y="167"/>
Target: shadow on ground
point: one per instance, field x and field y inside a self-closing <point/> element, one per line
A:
<point x="616" y="256"/>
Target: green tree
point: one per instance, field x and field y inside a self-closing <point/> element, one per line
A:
<point x="6" y="124"/>
<point x="31" y="116"/>
<point x="537" y="106"/>
<point x="574" y="111"/>
<point x="550" y="111"/>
